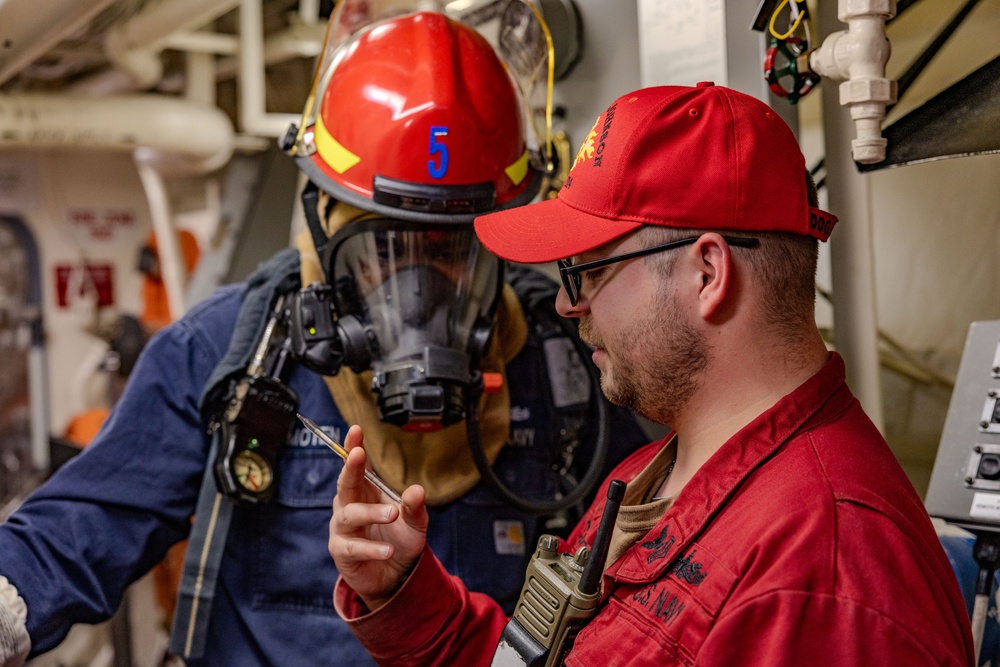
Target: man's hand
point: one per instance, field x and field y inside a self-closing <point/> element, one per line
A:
<point x="374" y="542"/>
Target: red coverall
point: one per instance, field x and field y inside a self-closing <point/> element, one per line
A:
<point x="800" y="542"/>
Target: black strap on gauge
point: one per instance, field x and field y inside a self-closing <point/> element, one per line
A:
<point x="259" y="391"/>
<point x="214" y="510"/>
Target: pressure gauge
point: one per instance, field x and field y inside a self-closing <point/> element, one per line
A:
<point x="252" y="471"/>
<point x="252" y="432"/>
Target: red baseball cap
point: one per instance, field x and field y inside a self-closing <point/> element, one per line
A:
<point x="702" y="157"/>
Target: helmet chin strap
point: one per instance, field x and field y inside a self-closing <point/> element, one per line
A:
<point x="310" y="207"/>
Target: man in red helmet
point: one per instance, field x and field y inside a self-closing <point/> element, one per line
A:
<point x="772" y="526"/>
<point x="387" y="312"/>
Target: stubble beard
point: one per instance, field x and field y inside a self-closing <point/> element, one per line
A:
<point x="653" y="364"/>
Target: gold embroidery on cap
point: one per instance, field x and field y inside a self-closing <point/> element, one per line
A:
<point x="587" y="148"/>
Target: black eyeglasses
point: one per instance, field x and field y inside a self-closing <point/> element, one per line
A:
<point x="570" y="273"/>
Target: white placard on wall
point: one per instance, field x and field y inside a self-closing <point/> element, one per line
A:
<point x="682" y="42"/>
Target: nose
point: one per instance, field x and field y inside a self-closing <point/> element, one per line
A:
<point x="566" y="309"/>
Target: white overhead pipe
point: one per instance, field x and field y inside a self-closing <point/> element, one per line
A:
<point x="303" y="40"/>
<point x="857" y="57"/>
<point x="309" y="11"/>
<point x="168" y="248"/>
<point x="298" y="41"/>
<point x="254" y="118"/>
<point x="134" y="46"/>
<point x="199" y="78"/>
<point x="187" y="137"/>
<point x="30" y="28"/>
<point x="159" y="20"/>
<point x="204" y="42"/>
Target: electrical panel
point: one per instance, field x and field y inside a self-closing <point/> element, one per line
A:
<point x="965" y="483"/>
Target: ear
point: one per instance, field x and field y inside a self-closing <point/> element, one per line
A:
<point x="715" y="265"/>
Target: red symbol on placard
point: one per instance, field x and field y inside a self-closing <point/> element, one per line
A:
<point x="84" y="281"/>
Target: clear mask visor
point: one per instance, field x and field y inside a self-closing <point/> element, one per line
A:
<point x="415" y="288"/>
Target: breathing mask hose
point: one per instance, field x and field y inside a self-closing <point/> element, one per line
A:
<point x="590" y="479"/>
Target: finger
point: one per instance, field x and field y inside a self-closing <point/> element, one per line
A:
<point x="354" y="549"/>
<point x="355" y="438"/>
<point x="414" y="509"/>
<point x="352" y="477"/>
<point x="352" y="487"/>
<point x="358" y="516"/>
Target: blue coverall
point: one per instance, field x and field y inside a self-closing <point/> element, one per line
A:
<point x="110" y="514"/>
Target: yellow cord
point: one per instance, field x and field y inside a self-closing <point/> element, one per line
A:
<point x="549" y="79"/>
<point x="791" y="31"/>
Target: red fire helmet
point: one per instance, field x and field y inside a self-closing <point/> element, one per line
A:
<point x="416" y="117"/>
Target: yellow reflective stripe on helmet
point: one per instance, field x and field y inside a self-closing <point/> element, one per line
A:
<point x="333" y="153"/>
<point x="517" y="171"/>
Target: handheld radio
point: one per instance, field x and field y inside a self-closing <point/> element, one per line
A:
<point x="560" y="594"/>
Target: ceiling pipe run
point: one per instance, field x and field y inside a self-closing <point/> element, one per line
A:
<point x="31" y="28"/>
<point x="134" y="46"/>
<point x="187" y="138"/>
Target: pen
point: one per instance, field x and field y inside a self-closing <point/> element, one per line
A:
<point x="342" y="453"/>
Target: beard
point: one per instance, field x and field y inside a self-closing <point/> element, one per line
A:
<point x="653" y="364"/>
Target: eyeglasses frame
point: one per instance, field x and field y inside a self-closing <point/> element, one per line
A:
<point x="570" y="273"/>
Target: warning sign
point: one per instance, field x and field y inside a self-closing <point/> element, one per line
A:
<point x="75" y="282"/>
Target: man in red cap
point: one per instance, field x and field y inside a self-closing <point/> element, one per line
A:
<point x="772" y="526"/>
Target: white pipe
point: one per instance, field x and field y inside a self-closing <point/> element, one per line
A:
<point x="859" y="55"/>
<point x="204" y="42"/>
<point x="30" y="28"/>
<point x="296" y="42"/>
<point x="188" y="137"/>
<point x="199" y="79"/>
<point x="168" y="248"/>
<point x="143" y="65"/>
<point x="254" y="118"/>
<point x="309" y="11"/>
<point x="134" y="46"/>
<point x="39" y="402"/>
<point x="299" y="41"/>
<point x="159" y="20"/>
<point x="855" y="322"/>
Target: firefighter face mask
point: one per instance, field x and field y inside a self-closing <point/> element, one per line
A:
<point x="415" y="301"/>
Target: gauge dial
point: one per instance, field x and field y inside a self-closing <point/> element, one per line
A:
<point x="252" y="471"/>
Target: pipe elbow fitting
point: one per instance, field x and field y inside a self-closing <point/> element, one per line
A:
<point x="142" y="64"/>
